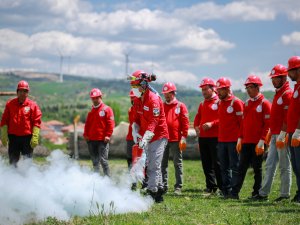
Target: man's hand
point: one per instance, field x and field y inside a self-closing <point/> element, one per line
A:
<point x="280" y="141"/>
<point x="260" y="148"/>
<point x="182" y="144"/>
<point x="106" y="139"/>
<point x="143" y="143"/>
<point x="207" y="126"/>
<point x="238" y="146"/>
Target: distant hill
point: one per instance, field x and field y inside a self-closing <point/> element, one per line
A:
<point x="63" y="101"/>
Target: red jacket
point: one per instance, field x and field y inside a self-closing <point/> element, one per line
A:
<point x="130" y="118"/>
<point x="279" y="108"/>
<point x="230" y="119"/>
<point x="177" y="117"/>
<point x="150" y="115"/>
<point x="256" y="120"/>
<point x="21" y="118"/>
<point x="99" y="123"/>
<point x="208" y="112"/>
<point x="293" y="115"/>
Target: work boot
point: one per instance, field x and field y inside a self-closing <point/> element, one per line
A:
<point x="259" y="197"/>
<point x="159" y="196"/>
<point x="133" y="186"/>
<point x="281" y="198"/>
<point x="177" y="191"/>
<point x="296" y="198"/>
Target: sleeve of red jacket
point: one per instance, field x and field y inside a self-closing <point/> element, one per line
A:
<point x="37" y="116"/>
<point x="155" y="108"/>
<point x="197" y="118"/>
<point x="266" y="117"/>
<point x="286" y="101"/>
<point x="5" y="116"/>
<point x="184" y="120"/>
<point x="110" y="121"/>
<point x="239" y="110"/>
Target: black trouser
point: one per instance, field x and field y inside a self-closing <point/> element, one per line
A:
<point x="210" y="162"/>
<point x="248" y="157"/>
<point x="18" y="145"/>
<point x="129" y="153"/>
<point x="99" y="153"/>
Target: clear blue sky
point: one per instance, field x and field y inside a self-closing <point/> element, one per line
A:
<point x="181" y="41"/>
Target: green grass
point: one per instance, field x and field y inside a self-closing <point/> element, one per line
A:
<point x="193" y="208"/>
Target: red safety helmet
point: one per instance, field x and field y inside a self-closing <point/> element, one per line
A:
<point x="168" y="87"/>
<point x="278" y="70"/>
<point x="95" y="92"/>
<point x="223" y="82"/>
<point x="252" y="79"/>
<point x="23" y="85"/>
<point x="294" y="62"/>
<point x="137" y="77"/>
<point x="207" y="81"/>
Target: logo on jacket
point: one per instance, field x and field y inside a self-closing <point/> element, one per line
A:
<point x="26" y="109"/>
<point x="156" y="111"/>
<point x="146" y="108"/>
<point x="214" y="106"/>
<point x="102" y="113"/>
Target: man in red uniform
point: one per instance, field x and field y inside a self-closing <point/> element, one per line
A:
<point x="251" y="140"/>
<point x="150" y="123"/>
<point x="230" y="120"/>
<point x="278" y="151"/>
<point x="20" y="124"/>
<point x="98" y="129"/>
<point x="293" y="121"/>
<point x="178" y="124"/>
<point x="206" y="126"/>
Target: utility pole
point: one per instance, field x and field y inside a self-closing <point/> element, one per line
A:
<point x="61" y="79"/>
<point x="126" y="63"/>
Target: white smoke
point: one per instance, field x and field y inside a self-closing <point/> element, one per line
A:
<point x="62" y="189"/>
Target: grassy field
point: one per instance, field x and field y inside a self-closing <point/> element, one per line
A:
<point x="192" y="207"/>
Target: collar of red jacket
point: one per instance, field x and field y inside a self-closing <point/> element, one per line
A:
<point x="285" y="86"/>
<point x="213" y="98"/>
<point x="174" y="101"/>
<point x="26" y="102"/>
<point x="229" y="98"/>
<point x="259" y="96"/>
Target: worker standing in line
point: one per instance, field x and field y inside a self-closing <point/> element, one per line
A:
<point x="98" y="129"/>
<point x="206" y="125"/>
<point x="293" y="121"/>
<point x="230" y="120"/>
<point x="20" y="124"/>
<point x="278" y="150"/>
<point x="177" y="117"/>
<point x="251" y="141"/>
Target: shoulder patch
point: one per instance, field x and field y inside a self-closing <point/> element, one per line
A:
<point x="156" y="111"/>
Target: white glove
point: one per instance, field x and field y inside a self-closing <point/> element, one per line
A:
<point x="260" y="144"/>
<point x="281" y="136"/>
<point x="295" y="142"/>
<point x="146" y="139"/>
<point x="137" y="170"/>
<point x="135" y="132"/>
